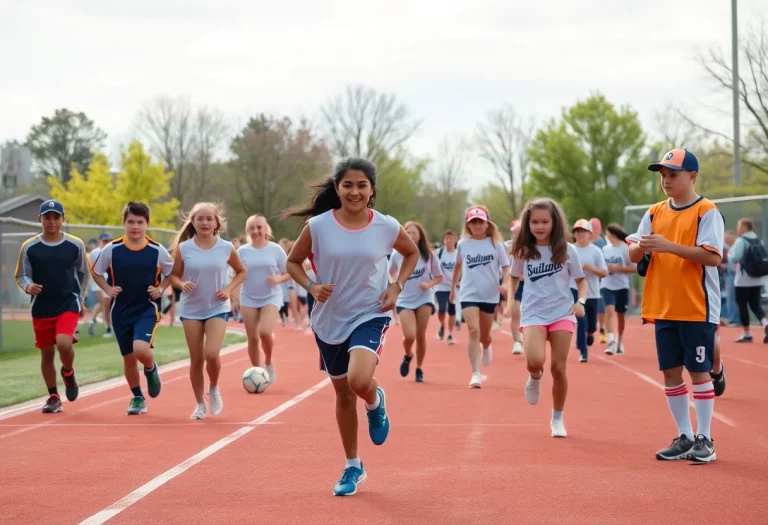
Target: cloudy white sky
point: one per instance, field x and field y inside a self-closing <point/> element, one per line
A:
<point x="448" y="61"/>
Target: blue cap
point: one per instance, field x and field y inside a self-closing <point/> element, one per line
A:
<point x="105" y="236"/>
<point x="51" y="205"/>
<point x="677" y="160"/>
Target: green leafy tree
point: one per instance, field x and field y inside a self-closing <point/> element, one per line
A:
<point x="399" y="185"/>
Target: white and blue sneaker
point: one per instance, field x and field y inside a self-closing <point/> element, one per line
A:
<point x="378" y="420"/>
<point x="350" y="479"/>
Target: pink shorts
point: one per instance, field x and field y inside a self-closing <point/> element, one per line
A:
<point x="564" y="324"/>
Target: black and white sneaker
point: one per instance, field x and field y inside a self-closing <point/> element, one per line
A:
<point x="703" y="450"/>
<point x="718" y="381"/>
<point x="405" y="365"/>
<point x="440" y="332"/>
<point x="680" y="448"/>
<point x="450" y="340"/>
<point x="53" y="405"/>
<point x="419" y="375"/>
<point x="743" y="338"/>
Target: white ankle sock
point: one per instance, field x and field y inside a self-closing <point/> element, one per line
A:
<point x="375" y="404"/>
<point x="355" y="462"/>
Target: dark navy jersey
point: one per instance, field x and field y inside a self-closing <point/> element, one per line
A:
<point x="61" y="268"/>
<point x="134" y="270"/>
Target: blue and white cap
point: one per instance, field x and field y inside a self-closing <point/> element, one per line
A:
<point x="51" y="205"/>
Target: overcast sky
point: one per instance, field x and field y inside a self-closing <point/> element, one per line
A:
<point x="448" y="61"/>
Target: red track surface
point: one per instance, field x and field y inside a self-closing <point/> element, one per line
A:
<point x="454" y="455"/>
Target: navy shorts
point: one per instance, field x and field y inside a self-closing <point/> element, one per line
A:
<point x="141" y="329"/>
<point x="400" y="308"/>
<point x="486" y="308"/>
<point x="685" y="343"/>
<point x="617" y="298"/>
<point x="443" y="305"/>
<point x="601" y="305"/>
<point x="310" y="304"/>
<point x="370" y="335"/>
<point x="224" y="316"/>
<point x="519" y="292"/>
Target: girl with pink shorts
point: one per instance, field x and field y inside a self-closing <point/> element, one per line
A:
<point x="544" y="258"/>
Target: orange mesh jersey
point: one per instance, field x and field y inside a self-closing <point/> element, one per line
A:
<point x="677" y="289"/>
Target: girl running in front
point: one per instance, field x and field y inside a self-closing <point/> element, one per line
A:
<point x="348" y="243"/>
<point x="593" y="263"/>
<point x="417" y="302"/>
<point x="480" y="259"/>
<point x="260" y="294"/>
<point x="201" y="260"/>
<point x="615" y="287"/>
<point x="543" y="255"/>
<point x="447" y="257"/>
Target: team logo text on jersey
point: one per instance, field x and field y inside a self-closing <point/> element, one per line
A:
<point x="417" y="273"/>
<point x="478" y="260"/>
<point x="447" y="265"/>
<point x="614" y="260"/>
<point x="542" y="270"/>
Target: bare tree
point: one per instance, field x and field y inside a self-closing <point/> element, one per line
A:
<point x="503" y="141"/>
<point x="673" y="130"/>
<point x="210" y="132"/>
<point x="365" y="123"/>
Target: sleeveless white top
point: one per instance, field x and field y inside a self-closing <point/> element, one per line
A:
<point x="356" y="262"/>
<point x="208" y="269"/>
<point x="260" y="263"/>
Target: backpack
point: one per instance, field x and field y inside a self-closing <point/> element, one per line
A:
<point x="755" y="259"/>
<point x="440" y="252"/>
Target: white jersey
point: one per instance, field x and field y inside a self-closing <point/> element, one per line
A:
<point x="356" y="262"/>
<point x="92" y="257"/>
<point x="547" y="296"/>
<point x="260" y="264"/>
<point x="481" y="264"/>
<point x="208" y="269"/>
<point x="447" y="262"/>
<point x="592" y="255"/>
<point x="413" y="296"/>
<point x="616" y="255"/>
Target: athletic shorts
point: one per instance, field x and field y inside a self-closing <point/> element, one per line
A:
<point x="91" y="299"/>
<point x="310" y="304"/>
<point x="432" y="306"/>
<point x="601" y="306"/>
<point x="486" y="308"/>
<point x="617" y="298"/>
<point x="47" y="328"/>
<point x="443" y="305"/>
<point x="224" y="316"/>
<point x="685" y="343"/>
<point x="370" y="336"/>
<point x="519" y="292"/>
<point x="140" y="329"/>
<point x="562" y="325"/>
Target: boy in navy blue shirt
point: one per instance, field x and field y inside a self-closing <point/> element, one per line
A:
<point x="53" y="269"/>
<point x="138" y="268"/>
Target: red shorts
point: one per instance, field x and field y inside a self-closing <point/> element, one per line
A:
<point x="564" y="324"/>
<point x="47" y="328"/>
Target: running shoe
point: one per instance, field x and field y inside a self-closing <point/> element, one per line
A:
<point x="217" y="405"/>
<point x="153" y="381"/>
<point x="440" y="332"/>
<point x="199" y="412"/>
<point x="450" y="340"/>
<point x="52" y="405"/>
<point x="476" y="381"/>
<point x="533" y="389"/>
<point x="703" y="450"/>
<point x="419" y="375"/>
<point x="70" y="383"/>
<point x="558" y="428"/>
<point x="487" y="356"/>
<point x="517" y="348"/>
<point x="270" y="368"/>
<point x="680" y="448"/>
<point x="350" y="479"/>
<point x="405" y="365"/>
<point x="378" y="420"/>
<point x="611" y="350"/>
<point x="138" y="406"/>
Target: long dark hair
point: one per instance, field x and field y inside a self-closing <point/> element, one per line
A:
<point x="525" y="247"/>
<point x="324" y="193"/>
<point x="425" y="249"/>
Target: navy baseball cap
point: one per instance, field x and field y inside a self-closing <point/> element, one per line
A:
<point x="105" y="236"/>
<point x="51" y="205"/>
<point x="677" y="160"/>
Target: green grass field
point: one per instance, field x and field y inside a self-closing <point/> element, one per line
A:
<point x="96" y="358"/>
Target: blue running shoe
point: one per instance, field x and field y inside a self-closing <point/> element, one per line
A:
<point x="350" y="479"/>
<point x="378" y="420"/>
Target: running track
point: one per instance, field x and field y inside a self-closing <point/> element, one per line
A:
<point x="454" y="455"/>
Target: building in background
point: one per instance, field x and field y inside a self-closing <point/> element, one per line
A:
<point x="15" y="168"/>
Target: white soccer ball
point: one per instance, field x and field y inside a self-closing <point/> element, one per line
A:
<point x="256" y="380"/>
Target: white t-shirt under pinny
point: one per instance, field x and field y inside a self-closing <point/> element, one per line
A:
<point x="592" y="255"/>
<point x="481" y="264"/>
<point x="356" y="262"/>
<point x="616" y="255"/>
<point x="260" y="263"/>
<point x="208" y="269"/>
<point x="447" y="262"/>
<point x="547" y="296"/>
<point x="413" y="296"/>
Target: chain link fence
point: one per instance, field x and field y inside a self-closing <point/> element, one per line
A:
<point x="16" y="327"/>
<point x="733" y="209"/>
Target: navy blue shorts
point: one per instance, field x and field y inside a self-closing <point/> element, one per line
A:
<point x="443" y="305"/>
<point x="685" y="343"/>
<point x="601" y="305"/>
<point x="141" y="329"/>
<point x="519" y="292"/>
<point x="400" y="308"/>
<point x="486" y="308"/>
<point x="370" y="335"/>
<point x="616" y="298"/>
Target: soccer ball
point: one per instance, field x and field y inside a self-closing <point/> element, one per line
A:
<point x="255" y="380"/>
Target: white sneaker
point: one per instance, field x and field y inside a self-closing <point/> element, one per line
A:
<point x="611" y="348"/>
<point x="450" y="340"/>
<point x="271" y="371"/>
<point x="620" y="348"/>
<point x="476" y="381"/>
<point x="517" y="349"/>
<point x="487" y="356"/>
<point x="217" y="405"/>
<point x="199" y="412"/>
<point x="558" y="428"/>
<point x="533" y="389"/>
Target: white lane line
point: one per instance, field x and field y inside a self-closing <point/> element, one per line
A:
<point x="149" y="487"/>
<point x="717" y="415"/>
<point x="95" y="388"/>
<point x="182" y="424"/>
